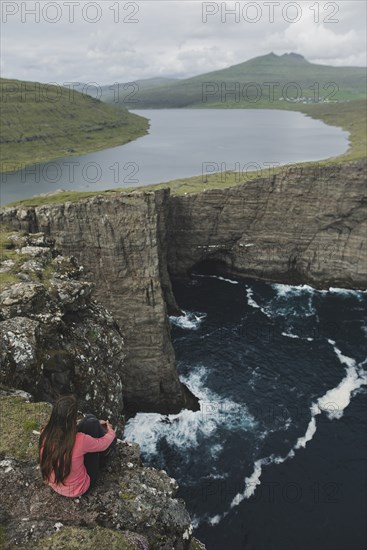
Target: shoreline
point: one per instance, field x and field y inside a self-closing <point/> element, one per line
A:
<point x="352" y="119"/>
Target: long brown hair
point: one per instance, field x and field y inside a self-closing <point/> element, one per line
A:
<point x="57" y="439"/>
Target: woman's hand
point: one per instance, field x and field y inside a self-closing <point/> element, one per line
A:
<point x="106" y="425"/>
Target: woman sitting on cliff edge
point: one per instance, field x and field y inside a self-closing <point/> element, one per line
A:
<point x="72" y="454"/>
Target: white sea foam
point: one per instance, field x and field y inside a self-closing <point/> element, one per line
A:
<point x="280" y="305"/>
<point x="250" y="298"/>
<point x="310" y="432"/>
<point x="215" y="520"/>
<point x="250" y="483"/>
<point x="222" y="475"/>
<point x="195" y="521"/>
<point x="287" y="423"/>
<point x="332" y="403"/>
<point x="185" y="430"/>
<point x="301" y="304"/>
<point x="345" y="292"/>
<point x="337" y="399"/>
<point x="226" y="280"/>
<point x="190" y="320"/>
<point x="290" y="335"/>
<point x="303" y="294"/>
<point x="286" y="290"/>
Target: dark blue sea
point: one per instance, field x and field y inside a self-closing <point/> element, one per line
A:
<point x="276" y="457"/>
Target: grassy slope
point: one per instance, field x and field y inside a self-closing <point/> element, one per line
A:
<point x="41" y="122"/>
<point x="351" y="116"/>
<point x="17" y="422"/>
<point x="350" y="84"/>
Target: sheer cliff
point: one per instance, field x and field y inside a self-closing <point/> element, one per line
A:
<point x="121" y="244"/>
<point x="306" y="225"/>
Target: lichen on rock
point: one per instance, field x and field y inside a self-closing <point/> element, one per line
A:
<point x="55" y="338"/>
<point x="79" y="538"/>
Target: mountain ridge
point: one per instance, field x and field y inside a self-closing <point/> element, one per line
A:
<point x="287" y="71"/>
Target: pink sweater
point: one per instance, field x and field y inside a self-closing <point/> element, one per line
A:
<point x="78" y="481"/>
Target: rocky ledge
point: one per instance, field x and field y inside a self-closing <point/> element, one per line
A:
<point x="132" y="507"/>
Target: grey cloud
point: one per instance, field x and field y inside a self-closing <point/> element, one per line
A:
<point x="171" y="39"/>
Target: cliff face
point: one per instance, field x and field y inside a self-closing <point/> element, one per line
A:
<point x="308" y="226"/>
<point x="121" y="244"/>
<point x="304" y="226"/>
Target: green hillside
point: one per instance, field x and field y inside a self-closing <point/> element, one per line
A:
<point x="269" y="81"/>
<point x="40" y="122"/>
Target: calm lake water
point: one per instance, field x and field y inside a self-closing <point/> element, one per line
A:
<point x="184" y="143"/>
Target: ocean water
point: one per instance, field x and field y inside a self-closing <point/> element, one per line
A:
<point x="276" y="457"/>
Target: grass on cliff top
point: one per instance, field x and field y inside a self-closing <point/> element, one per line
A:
<point x="18" y="419"/>
<point x="351" y="116"/>
<point x="42" y="122"/>
<point x="75" y="538"/>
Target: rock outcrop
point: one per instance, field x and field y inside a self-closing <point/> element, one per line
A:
<point x="54" y="338"/>
<point x="132" y="507"/>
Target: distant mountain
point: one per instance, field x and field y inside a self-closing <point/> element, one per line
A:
<point x="266" y="81"/>
<point x="146" y="83"/>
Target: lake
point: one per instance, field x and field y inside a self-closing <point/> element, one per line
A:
<point x="184" y="143"/>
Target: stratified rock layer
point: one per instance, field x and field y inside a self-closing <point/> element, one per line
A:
<point x="308" y="225"/>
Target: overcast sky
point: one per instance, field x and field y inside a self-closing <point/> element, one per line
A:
<point x="110" y="41"/>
